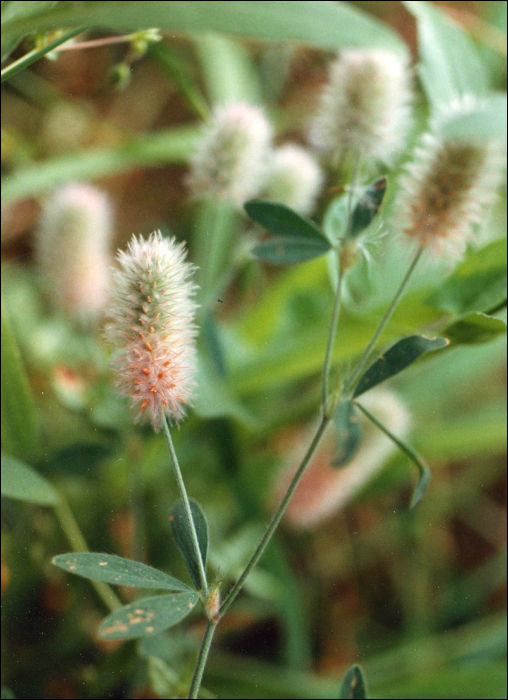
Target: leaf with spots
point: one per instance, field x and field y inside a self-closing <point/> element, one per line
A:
<point x="148" y="615"/>
<point x="118" y="571"/>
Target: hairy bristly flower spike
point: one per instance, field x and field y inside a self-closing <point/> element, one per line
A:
<point x="365" y="109"/>
<point x="448" y="186"/>
<point x="153" y="327"/>
<point x="230" y="160"/>
<point x="72" y="249"/>
<point x="294" y="178"/>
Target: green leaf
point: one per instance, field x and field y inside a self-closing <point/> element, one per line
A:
<point x="183" y="538"/>
<point x="148" y="615"/>
<point x="18" y="11"/>
<point x="354" y="685"/>
<point x="283" y="221"/>
<point x="397" y="358"/>
<point x="166" y="146"/>
<point x="23" y="483"/>
<point x="449" y="63"/>
<point x="423" y="470"/>
<point x="300" y="239"/>
<point x="477" y="284"/>
<point x="475" y="327"/>
<point x="335" y="218"/>
<point x="290" y="251"/>
<point x="484" y="122"/>
<point x="228" y="70"/>
<point x="327" y="24"/>
<point x="118" y="571"/>
<point x="214" y="398"/>
<point x="349" y="433"/>
<point x="174" y="64"/>
<point x="19" y="421"/>
<point x="367" y="207"/>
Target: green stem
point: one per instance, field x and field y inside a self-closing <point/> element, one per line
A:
<point x="34" y="55"/>
<point x="202" y="658"/>
<point x="338" y="292"/>
<point x="424" y="476"/>
<point x="276" y="518"/>
<point x="387" y="315"/>
<point x="186" y="505"/>
<point x="78" y="544"/>
<point x="331" y="337"/>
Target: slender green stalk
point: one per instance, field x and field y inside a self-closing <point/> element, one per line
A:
<point x="202" y="658"/>
<point x="186" y="505"/>
<point x="338" y="293"/>
<point x="331" y="337"/>
<point x="387" y="315"/>
<point x="34" y="55"/>
<point x="78" y="544"/>
<point x="276" y="518"/>
<point x="407" y="450"/>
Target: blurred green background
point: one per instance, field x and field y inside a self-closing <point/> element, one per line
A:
<point x="417" y="597"/>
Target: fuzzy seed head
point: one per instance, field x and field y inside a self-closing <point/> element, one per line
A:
<point x="448" y="188"/>
<point x="294" y="178"/>
<point x="72" y="250"/>
<point x="365" y="109"/>
<point x="323" y="490"/>
<point x="230" y="161"/>
<point x="153" y="328"/>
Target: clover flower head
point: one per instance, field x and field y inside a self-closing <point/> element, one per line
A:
<point x="72" y="250"/>
<point x="365" y="108"/>
<point x="448" y="186"/>
<point x="152" y="326"/>
<point x="231" y="158"/>
<point x="294" y="178"/>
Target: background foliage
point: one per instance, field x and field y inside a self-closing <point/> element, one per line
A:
<point x="418" y="597"/>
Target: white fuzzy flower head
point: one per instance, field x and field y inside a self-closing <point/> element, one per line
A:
<point x="324" y="490"/>
<point x="72" y="250"/>
<point x="365" y="109"/>
<point x="153" y="328"/>
<point x="448" y="187"/>
<point x="231" y="158"/>
<point x="294" y="178"/>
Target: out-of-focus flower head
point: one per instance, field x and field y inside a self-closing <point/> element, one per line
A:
<point x="294" y="178"/>
<point x="365" y="109"/>
<point x="449" y="185"/>
<point x="72" y="249"/>
<point x="231" y="159"/>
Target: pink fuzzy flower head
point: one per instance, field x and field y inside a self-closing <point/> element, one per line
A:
<point x="153" y="327"/>
<point x="72" y="249"/>
<point x="448" y="186"/>
<point x="365" y="109"/>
